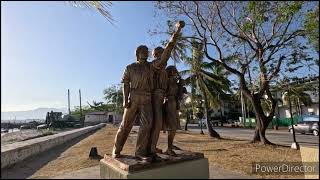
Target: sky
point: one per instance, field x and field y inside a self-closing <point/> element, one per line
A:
<point x="49" y="47"/>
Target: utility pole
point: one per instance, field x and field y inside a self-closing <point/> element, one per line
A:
<point x="295" y="144"/>
<point x="220" y="103"/>
<point x="245" y="113"/>
<point x="81" y="119"/>
<point x="69" y="102"/>
<point x="117" y="91"/>
<point x="278" y="111"/>
<point x="117" y="100"/>
<point x="201" y="132"/>
<point x="243" y="109"/>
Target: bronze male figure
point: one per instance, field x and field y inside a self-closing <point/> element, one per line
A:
<point x="138" y="85"/>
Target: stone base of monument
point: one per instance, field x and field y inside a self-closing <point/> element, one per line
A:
<point x="187" y="165"/>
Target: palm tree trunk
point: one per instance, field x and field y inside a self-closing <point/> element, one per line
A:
<point x="296" y="107"/>
<point x="220" y="105"/>
<point x="187" y="121"/>
<point x="299" y="106"/>
<point x="193" y="92"/>
<point x="186" y="126"/>
<point x="212" y="132"/>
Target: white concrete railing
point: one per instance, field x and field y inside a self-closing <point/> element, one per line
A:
<point x="16" y="152"/>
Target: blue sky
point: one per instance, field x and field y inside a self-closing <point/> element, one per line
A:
<point x="48" y="47"/>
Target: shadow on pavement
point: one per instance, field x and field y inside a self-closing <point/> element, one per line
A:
<point x="221" y="149"/>
<point x="233" y="139"/>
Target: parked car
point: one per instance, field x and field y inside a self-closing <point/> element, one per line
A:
<point x="234" y="123"/>
<point x="203" y="121"/>
<point x="304" y="127"/>
<point x="216" y="122"/>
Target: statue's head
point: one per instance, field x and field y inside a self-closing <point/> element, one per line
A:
<point x="172" y="71"/>
<point x="156" y="53"/>
<point x="142" y="53"/>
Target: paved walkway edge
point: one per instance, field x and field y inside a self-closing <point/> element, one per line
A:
<point x="16" y="152"/>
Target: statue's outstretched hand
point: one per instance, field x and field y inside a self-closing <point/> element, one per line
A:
<point x="180" y="24"/>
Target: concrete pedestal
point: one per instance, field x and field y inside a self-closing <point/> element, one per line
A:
<point x="187" y="165"/>
<point x="310" y="155"/>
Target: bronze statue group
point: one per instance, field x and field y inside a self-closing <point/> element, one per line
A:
<point x="152" y="93"/>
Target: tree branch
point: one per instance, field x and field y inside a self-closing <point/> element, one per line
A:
<point x="220" y="62"/>
<point x="192" y="20"/>
<point x="273" y="105"/>
<point x="284" y="33"/>
<point x="232" y="34"/>
<point x="274" y="50"/>
<point x="276" y="71"/>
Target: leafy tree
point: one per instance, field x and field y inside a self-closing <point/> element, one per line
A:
<point x="85" y="110"/>
<point x="252" y="40"/>
<point x="114" y="97"/>
<point x="201" y="77"/>
<point x="186" y="111"/>
<point x="311" y="25"/>
<point x="100" y="106"/>
<point x="297" y="95"/>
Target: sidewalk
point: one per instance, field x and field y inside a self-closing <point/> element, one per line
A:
<point x="94" y="173"/>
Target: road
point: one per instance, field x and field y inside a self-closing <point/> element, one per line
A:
<point x="282" y="136"/>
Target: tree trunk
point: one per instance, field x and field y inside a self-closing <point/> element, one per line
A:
<point x="186" y="126"/>
<point x="296" y="106"/>
<point x="256" y="137"/>
<point x="260" y="133"/>
<point x="262" y="122"/>
<point x="187" y="121"/>
<point x="300" y="109"/>
<point x="212" y="132"/>
<point x="221" y="115"/>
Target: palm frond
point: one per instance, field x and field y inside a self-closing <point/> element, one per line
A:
<point x="188" y="80"/>
<point x="212" y="97"/>
<point x="208" y="65"/>
<point x="305" y="99"/>
<point x="185" y="72"/>
<point x="100" y="6"/>
<point x="219" y="81"/>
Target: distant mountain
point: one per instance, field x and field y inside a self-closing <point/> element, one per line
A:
<point x="39" y="113"/>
